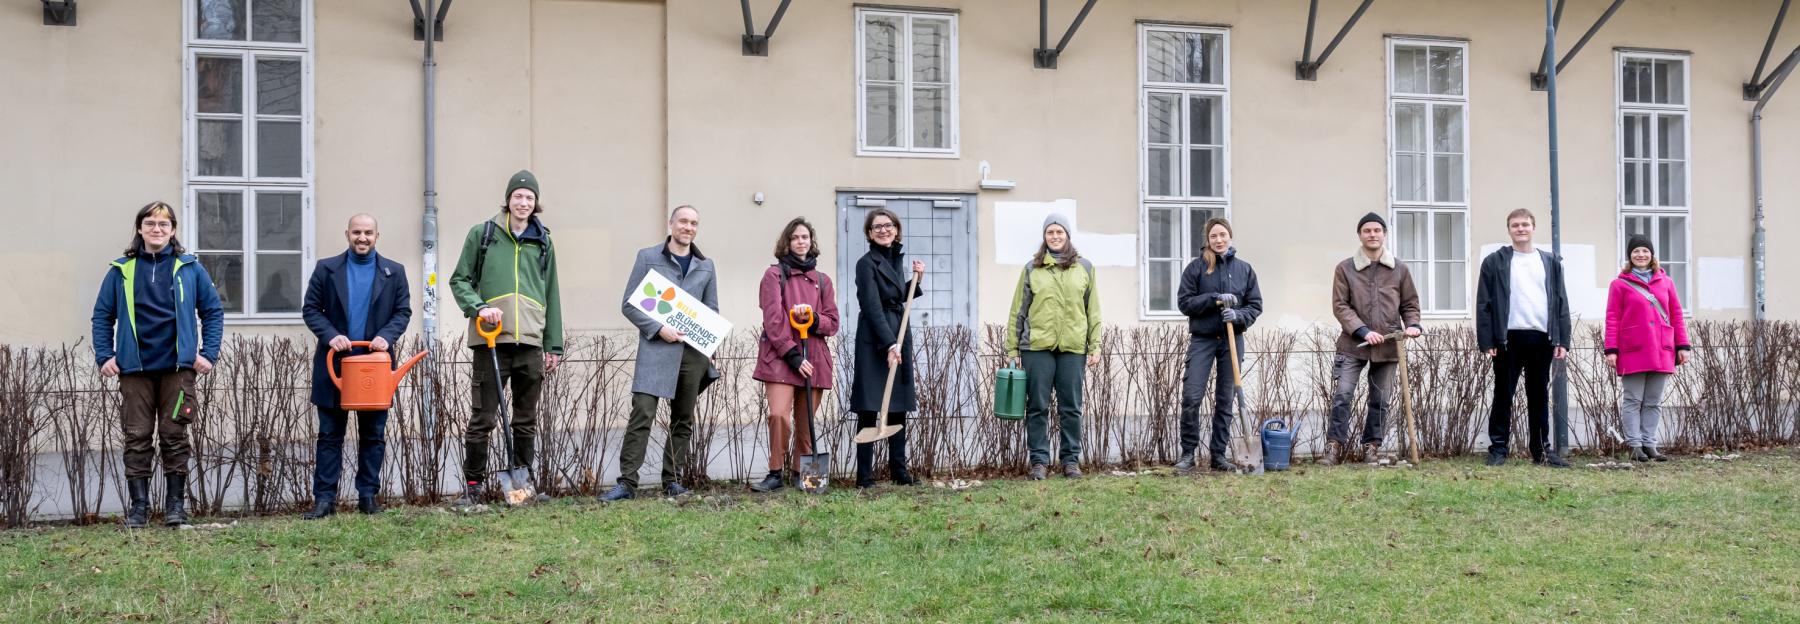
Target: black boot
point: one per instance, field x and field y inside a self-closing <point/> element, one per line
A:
<point x="769" y="483"/>
<point x="471" y="495"/>
<point x="138" y="513"/>
<point x="1638" y="454"/>
<point x="175" y="503"/>
<point x="368" y="505"/>
<point x="897" y="460"/>
<point x="865" y="465"/>
<point x="322" y="507"/>
<point x="1654" y="455"/>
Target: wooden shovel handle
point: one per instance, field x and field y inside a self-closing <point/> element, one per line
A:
<point x="887" y="392"/>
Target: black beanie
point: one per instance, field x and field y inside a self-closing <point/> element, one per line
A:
<point x="522" y="180"/>
<point x="1636" y="242"/>
<point x="1371" y="217"/>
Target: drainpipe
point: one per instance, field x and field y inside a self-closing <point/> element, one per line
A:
<point x="1759" y="239"/>
<point x="1559" y="387"/>
<point x="429" y="229"/>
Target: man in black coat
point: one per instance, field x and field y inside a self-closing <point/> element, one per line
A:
<point x="1522" y="323"/>
<point x="356" y="296"/>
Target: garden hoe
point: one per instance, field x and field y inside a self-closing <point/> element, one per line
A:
<point x="881" y="429"/>
<point x="1412" y="432"/>
<point x="815" y="469"/>
<point x="515" y="480"/>
<point x="1241" y="457"/>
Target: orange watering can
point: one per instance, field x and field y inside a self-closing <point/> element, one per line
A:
<point x="369" y="379"/>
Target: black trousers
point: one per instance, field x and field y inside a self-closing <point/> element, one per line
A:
<point x="1530" y="352"/>
<point x="1208" y="359"/>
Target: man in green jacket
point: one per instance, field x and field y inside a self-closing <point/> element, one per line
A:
<point x="507" y="275"/>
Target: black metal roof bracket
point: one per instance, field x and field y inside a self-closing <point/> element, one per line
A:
<point x="1753" y="90"/>
<point x="59" y="12"/>
<point x="755" y="44"/>
<point x="1773" y="82"/>
<point x="1307" y="68"/>
<point x="1539" y="78"/>
<point x="1044" y="56"/>
<point x="437" y="23"/>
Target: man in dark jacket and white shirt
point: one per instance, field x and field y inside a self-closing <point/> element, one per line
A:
<point x="667" y="368"/>
<point x="1522" y="322"/>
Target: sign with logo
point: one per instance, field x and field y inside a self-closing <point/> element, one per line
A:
<point x="666" y="302"/>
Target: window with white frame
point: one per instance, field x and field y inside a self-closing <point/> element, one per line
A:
<point x="906" y="83"/>
<point x="1185" y="155"/>
<point x="248" y="150"/>
<point x="1428" y="168"/>
<point x="1653" y="157"/>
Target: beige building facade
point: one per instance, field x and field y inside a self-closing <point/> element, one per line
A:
<point x="270" y="122"/>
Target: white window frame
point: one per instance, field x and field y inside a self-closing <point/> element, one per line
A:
<point x="193" y="183"/>
<point x="1431" y="208"/>
<point x="1622" y="108"/>
<point x="906" y="150"/>
<point x="1186" y="204"/>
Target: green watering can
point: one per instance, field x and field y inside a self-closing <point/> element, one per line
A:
<point x="1009" y="393"/>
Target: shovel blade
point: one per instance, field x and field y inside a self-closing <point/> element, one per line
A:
<point x="814" y="472"/>
<point x="515" y="487"/>
<point x="871" y="434"/>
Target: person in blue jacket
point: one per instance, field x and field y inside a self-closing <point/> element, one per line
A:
<point x="157" y="323"/>
<point x="357" y="296"/>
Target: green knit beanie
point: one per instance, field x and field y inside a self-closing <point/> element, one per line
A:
<point x="522" y="180"/>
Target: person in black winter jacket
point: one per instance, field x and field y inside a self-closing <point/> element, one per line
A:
<point x="1216" y="288"/>
<point x="881" y="278"/>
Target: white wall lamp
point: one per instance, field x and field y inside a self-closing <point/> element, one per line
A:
<point x="994" y="185"/>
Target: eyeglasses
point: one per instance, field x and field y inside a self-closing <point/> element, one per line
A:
<point x="159" y="225"/>
<point x="881" y="227"/>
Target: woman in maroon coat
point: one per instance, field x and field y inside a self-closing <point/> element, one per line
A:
<point x="793" y="281"/>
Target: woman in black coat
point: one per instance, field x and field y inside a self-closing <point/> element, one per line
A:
<point x="881" y="299"/>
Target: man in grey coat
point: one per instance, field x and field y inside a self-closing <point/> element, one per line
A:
<point x="667" y="368"/>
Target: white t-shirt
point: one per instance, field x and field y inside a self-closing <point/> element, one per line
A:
<point x="1529" y="307"/>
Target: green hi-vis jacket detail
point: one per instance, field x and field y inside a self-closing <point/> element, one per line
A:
<point x="517" y="274"/>
<point x="1054" y="309"/>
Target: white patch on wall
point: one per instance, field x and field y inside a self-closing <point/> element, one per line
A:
<point x="1587" y="295"/>
<point x="1721" y="283"/>
<point x="1018" y="231"/>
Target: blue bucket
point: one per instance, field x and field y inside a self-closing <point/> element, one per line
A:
<point x="1277" y="444"/>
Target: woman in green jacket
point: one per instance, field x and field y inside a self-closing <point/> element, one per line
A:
<point x="1054" y="332"/>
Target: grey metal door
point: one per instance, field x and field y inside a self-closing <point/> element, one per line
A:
<point x="938" y="229"/>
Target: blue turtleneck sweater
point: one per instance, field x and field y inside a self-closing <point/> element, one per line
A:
<point x="361" y="279"/>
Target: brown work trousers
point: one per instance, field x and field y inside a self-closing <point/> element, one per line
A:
<point x="156" y="410"/>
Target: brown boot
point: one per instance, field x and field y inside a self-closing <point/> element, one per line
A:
<point x="1371" y="454"/>
<point x="1330" y="457"/>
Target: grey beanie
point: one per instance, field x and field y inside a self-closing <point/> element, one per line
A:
<point x="1057" y="218"/>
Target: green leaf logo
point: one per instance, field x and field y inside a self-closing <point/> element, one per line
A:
<point x="649" y="291"/>
<point x="663" y="307"/>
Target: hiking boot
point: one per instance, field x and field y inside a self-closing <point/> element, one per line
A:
<point x="1556" y="461"/>
<point x="471" y="496"/>
<point x="1638" y="454"/>
<point x="902" y="476"/>
<point x="1037" y="472"/>
<point x="1654" y="455"/>
<point x="322" y="507"/>
<point x="1071" y="470"/>
<point x="1220" y="464"/>
<point x="1371" y="454"/>
<point x="769" y="483"/>
<point x="138" y="514"/>
<point x="619" y="492"/>
<point x="1186" y="462"/>
<point x="368" y="506"/>
<point x="1330" y="457"/>
<point x="175" y="500"/>
<point x="1496" y="458"/>
<point x="675" y="490"/>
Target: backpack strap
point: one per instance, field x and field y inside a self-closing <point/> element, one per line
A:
<point x="1645" y="291"/>
<point x="487" y="240"/>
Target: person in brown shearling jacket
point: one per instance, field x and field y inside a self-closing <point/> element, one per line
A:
<point x="1372" y="294"/>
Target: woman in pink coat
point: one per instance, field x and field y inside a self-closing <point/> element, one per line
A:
<point x="1646" y="338"/>
<point x="793" y="281"/>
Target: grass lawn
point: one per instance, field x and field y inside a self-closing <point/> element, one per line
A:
<point x="1687" y="541"/>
